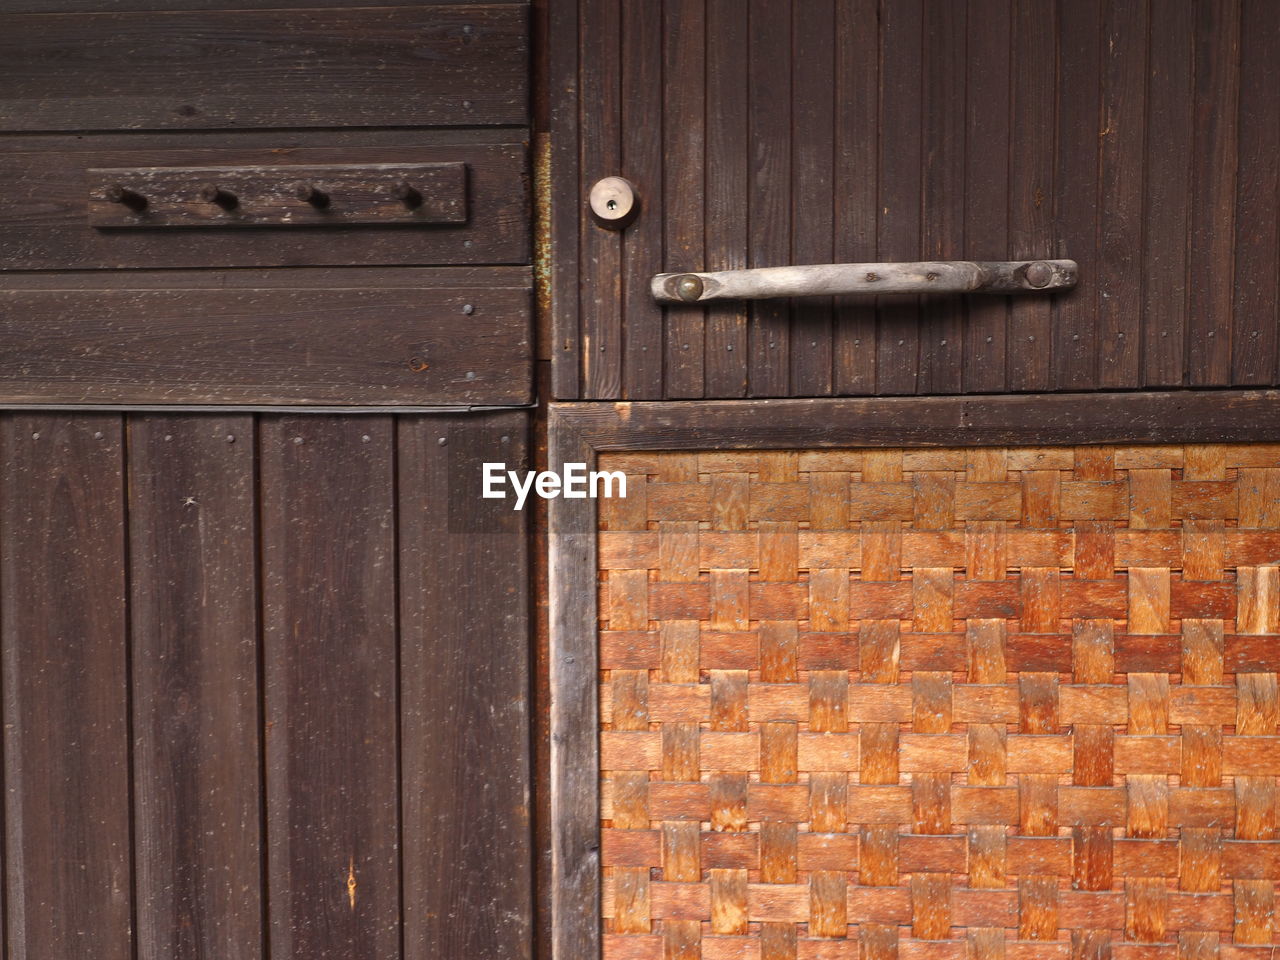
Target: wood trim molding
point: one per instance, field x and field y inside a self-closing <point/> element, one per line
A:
<point x="579" y="431"/>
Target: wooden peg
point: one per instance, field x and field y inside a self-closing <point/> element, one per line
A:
<point x="130" y="198"/>
<point x="212" y="193"/>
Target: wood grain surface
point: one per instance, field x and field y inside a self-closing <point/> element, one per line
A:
<point x="221" y="69"/>
<point x="1139" y="140"/>
<point x="947" y="702"/>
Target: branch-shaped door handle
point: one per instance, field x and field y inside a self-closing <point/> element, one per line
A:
<point x="839" y="279"/>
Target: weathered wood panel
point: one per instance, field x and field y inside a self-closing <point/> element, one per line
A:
<point x="381" y="67"/>
<point x="194" y="629"/>
<point x="377" y="338"/>
<point x="330" y="657"/>
<point x="1138" y="140"/>
<point x="464" y="615"/>
<point x="45" y="210"/>
<point x="68" y="864"/>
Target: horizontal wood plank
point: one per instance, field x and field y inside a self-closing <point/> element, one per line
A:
<point x="45" y="210"/>
<point x="460" y="65"/>
<point x="218" y="338"/>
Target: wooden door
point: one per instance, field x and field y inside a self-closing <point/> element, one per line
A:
<point x="1137" y="139"/>
<point x="264" y="646"/>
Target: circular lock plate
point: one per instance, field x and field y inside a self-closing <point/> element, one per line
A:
<point x="613" y="202"/>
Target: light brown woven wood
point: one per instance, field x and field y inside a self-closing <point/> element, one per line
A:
<point x="941" y="704"/>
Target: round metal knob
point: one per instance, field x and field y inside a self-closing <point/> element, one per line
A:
<point x="689" y="288"/>
<point x="613" y="202"/>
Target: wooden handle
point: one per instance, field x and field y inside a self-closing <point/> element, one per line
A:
<point x="840" y="279"/>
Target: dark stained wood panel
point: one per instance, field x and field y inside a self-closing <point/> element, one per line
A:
<point x="460" y="65"/>
<point x="129" y="6"/>
<point x="330" y="654"/>
<point x="68" y="866"/>
<point x="464" y="615"/>
<point x="194" y="627"/>
<point x="403" y="337"/>
<point x="45" y="214"/>
<point x="1137" y="139"/>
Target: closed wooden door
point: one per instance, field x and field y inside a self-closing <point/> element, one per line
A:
<point x="257" y="268"/>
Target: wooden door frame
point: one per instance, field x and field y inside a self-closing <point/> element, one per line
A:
<point x="579" y="432"/>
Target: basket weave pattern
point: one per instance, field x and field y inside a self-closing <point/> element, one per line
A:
<point x="941" y="704"/>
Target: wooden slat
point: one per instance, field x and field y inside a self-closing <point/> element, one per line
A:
<point x="1076" y="192"/>
<point x="812" y="183"/>
<point x="572" y="661"/>
<point x="601" y="156"/>
<point x="45" y="210"/>
<point x="218" y="338"/>
<point x="1210" y="273"/>
<point x="1167" y="186"/>
<point x="1031" y="186"/>
<point x="769" y="187"/>
<point x="725" y="366"/>
<point x="566" y="201"/>
<point x="942" y="229"/>
<point x="69" y="880"/>
<point x="901" y="98"/>
<point x="463" y="704"/>
<point x="1235" y="416"/>
<point x="641" y="114"/>
<point x="406" y="66"/>
<point x="684" y="179"/>
<point x="857" y="148"/>
<point x="194" y="626"/>
<point x="1256" y="304"/>
<point x="987" y="185"/>
<point x="1121" y="149"/>
<point x="330" y="654"/>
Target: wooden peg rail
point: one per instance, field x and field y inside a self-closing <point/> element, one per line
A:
<point x="279" y="196"/>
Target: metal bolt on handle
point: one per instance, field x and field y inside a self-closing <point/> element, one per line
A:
<point x="840" y="279"/>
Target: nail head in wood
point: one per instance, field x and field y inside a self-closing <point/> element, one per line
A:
<point x="613" y="202"/>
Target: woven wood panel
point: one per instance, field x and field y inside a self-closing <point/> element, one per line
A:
<point x="941" y="704"/>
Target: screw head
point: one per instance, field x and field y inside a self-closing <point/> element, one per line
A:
<point x="1039" y="274"/>
<point x="689" y="288"/>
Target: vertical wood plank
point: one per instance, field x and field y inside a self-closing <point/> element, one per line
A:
<point x="1257" y="241"/>
<point x="194" y="618"/>
<point x="1122" y="139"/>
<point x="684" y="178"/>
<point x="901" y="99"/>
<point x="813" y="141"/>
<point x="857" y="81"/>
<point x="640" y="115"/>
<point x="464" y="691"/>
<point x="1211" y="274"/>
<point x="945" y="126"/>
<point x="69" y="878"/>
<point x="986" y="186"/>
<point x="564" y="90"/>
<point x="769" y="188"/>
<point x="1031" y="189"/>
<point x="1167" y="177"/>
<point x="329" y="647"/>
<point x="727" y="157"/>
<point x="1076" y="194"/>
<point x="601" y="145"/>
<point x="574" y="714"/>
